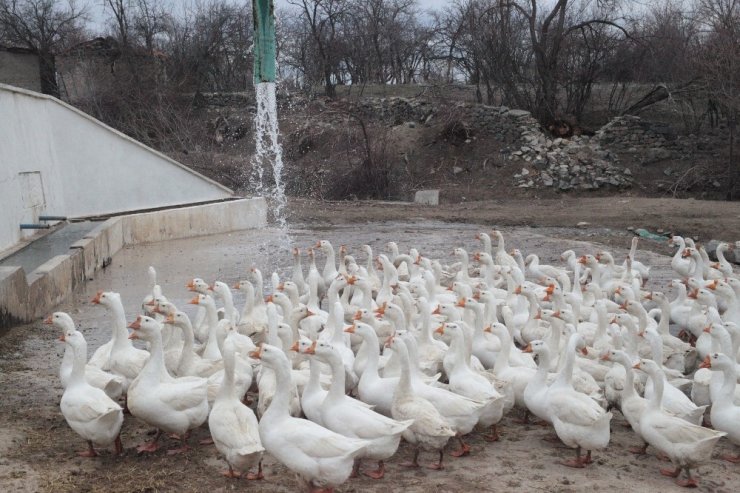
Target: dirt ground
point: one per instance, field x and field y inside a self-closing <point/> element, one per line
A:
<point x="37" y="448"/>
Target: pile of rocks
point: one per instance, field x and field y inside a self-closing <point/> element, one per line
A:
<point x="566" y="164"/>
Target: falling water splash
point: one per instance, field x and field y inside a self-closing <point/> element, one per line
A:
<point x="268" y="154"/>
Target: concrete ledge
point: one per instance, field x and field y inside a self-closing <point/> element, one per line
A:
<point x="26" y="298"/>
<point x="427" y="197"/>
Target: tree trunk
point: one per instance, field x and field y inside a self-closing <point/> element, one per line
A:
<point x="48" y="74"/>
<point x="329" y="89"/>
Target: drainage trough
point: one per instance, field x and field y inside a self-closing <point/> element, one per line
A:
<point x="25" y="297"/>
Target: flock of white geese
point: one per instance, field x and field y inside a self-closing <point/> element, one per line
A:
<point x="348" y="360"/>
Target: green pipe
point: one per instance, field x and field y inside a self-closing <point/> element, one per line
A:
<point x="263" y="14"/>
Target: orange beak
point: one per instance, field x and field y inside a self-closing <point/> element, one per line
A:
<point x="694" y="294"/>
<point x="190" y="285"/>
<point x="713" y="285"/>
<point x="350" y="329"/>
<point x="623" y="306"/>
<point x="62" y="338"/>
<point x="211" y="287"/>
<point x="388" y="341"/>
<point x="47" y="320"/>
<point x="156" y="309"/>
<point x="440" y="330"/>
<point x="527" y="349"/>
<point x="238" y="285"/>
<point x="136" y="324"/>
<point x="582" y="260"/>
<point x="194" y="301"/>
<point x="170" y="319"/>
<point x="556" y="314"/>
<point x="294" y="347"/>
<point x="309" y="313"/>
<point x="268" y="298"/>
<point x="312" y="348"/>
<point x="476" y="296"/>
<point x="539" y="315"/>
<point x="281" y="287"/>
<point x="584" y="351"/>
<point x="707" y="363"/>
<point x="317" y="245"/>
<point x="96" y="299"/>
<point x="461" y="303"/>
<point x="649" y="296"/>
<point x="518" y="290"/>
<point x="636" y="366"/>
<point x="605" y="357"/>
<point x="707" y="329"/>
<point x="437" y="311"/>
<point x="256" y="354"/>
<point x="357" y="316"/>
<point x="488" y="329"/>
<point x="351" y="280"/>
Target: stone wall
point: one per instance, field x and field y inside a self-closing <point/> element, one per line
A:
<point x="20" y="69"/>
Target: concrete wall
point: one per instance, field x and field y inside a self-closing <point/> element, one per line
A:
<point x="56" y="160"/>
<point x="20" y="69"/>
<point x="26" y="298"/>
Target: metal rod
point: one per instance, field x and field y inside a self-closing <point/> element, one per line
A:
<point x="35" y="226"/>
<point x="52" y="218"/>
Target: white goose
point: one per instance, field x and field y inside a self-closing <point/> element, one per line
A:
<point x="87" y="409"/>
<point x="725" y="413"/>
<point x="350" y="418"/>
<point x="233" y="425"/>
<point x="173" y="405"/>
<point x="686" y="445"/>
<point x="321" y="458"/>
<point x="429" y="430"/>
<point x="111" y="384"/>
<point x="579" y="421"/>
<point x="124" y="359"/>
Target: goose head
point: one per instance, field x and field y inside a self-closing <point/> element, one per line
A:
<point x="537" y="347"/>
<point x="717" y="362"/>
<point x="270" y="356"/>
<point x="145" y="328"/>
<point x="178" y="319"/>
<point x="648" y="366"/>
<point x="106" y="298"/>
<point x="197" y="285"/>
<point x="60" y="320"/>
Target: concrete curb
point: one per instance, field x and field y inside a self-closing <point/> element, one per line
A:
<point x="27" y="298"/>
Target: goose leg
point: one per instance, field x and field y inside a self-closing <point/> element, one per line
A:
<point x="577" y="462"/>
<point x="414" y="462"/>
<point x="689" y="482"/>
<point x="464" y="449"/>
<point x="639" y="450"/>
<point x="184" y="447"/>
<point x="587" y="459"/>
<point x="525" y="419"/>
<point x="259" y="475"/>
<point x="670" y="473"/>
<point x="119" y="445"/>
<point x="494" y="436"/>
<point x="356" y="469"/>
<point x="231" y="473"/>
<point x="377" y="473"/>
<point x="152" y="446"/>
<point x="90" y="452"/>
<point x="438" y="466"/>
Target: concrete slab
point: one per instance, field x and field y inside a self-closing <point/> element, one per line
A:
<point x="427" y="197"/>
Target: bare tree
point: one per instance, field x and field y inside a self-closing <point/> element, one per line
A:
<point x="43" y="26"/>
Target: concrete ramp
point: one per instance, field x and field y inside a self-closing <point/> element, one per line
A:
<point x="57" y="160"/>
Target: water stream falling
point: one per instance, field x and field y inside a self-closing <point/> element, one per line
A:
<point x="268" y="155"/>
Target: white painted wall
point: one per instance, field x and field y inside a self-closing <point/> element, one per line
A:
<point x="57" y="160"/>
